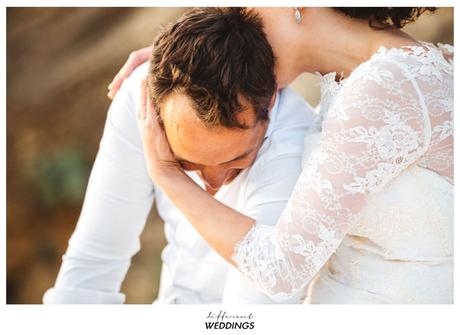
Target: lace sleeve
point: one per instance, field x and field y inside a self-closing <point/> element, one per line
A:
<point x="376" y="126"/>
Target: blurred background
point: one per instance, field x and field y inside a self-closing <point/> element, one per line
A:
<point x="59" y="63"/>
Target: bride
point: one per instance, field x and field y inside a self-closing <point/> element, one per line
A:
<point x="371" y="217"/>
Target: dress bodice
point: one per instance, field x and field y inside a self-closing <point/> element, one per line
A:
<point x="385" y="133"/>
<point x="400" y="249"/>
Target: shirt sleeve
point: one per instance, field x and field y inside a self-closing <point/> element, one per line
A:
<point x="118" y="200"/>
<point x="268" y="189"/>
<point x="376" y="127"/>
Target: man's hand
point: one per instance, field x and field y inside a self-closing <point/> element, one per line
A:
<point x="135" y="59"/>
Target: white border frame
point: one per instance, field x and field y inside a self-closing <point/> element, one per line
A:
<point x="189" y="319"/>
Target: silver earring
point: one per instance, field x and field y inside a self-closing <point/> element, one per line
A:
<point x="297" y="15"/>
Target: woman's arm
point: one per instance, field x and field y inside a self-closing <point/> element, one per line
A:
<point x="220" y="225"/>
<point x="366" y="142"/>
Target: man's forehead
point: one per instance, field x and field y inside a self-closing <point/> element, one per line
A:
<point x="180" y="108"/>
<point x="192" y="141"/>
<point x="210" y="146"/>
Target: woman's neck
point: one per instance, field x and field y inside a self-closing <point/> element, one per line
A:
<point x="339" y="44"/>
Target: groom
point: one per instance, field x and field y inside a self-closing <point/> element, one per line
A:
<point x="211" y="81"/>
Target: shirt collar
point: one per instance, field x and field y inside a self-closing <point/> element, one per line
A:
<point x="272" y="117"/>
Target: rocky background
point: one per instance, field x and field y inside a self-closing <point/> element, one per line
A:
<point x="59" y="63"/>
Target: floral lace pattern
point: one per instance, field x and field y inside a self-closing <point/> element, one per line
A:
<point x="393" y="111"/>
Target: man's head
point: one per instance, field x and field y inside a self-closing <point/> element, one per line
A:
<point x="211" y="81"/>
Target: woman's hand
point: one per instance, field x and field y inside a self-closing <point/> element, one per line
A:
<point x="161" y="163"/>
<point x="220" y="225"/>
<point x="135" y="59"/>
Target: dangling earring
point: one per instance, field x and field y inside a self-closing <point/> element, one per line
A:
<point x="297" y="15"/>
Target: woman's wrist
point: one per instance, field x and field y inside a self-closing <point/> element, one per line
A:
<point x="166" y="177"/>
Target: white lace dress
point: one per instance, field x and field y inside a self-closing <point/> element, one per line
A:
<point x="371" y="217"/>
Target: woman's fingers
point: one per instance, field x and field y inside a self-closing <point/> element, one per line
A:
<point x="147" y="133"/>
<point x="158" y="154"/>
<point x="114" y="86"/>
<point x="153" y="137"/>
<point x="142" y="112"/>
<point x="135" y="59"/>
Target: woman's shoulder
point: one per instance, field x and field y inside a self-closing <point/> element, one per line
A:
<point x="423" y="52"/>
<point x="387" y="69"/>
<point x="424" y="61"/>
<point x="447" y="51"/>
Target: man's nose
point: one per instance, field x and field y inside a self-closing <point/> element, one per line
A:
<point x="214" y="177"/>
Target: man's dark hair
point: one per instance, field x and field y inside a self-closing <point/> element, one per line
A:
<point x="220" y="58"/>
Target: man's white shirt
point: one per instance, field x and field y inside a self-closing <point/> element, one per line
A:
<point x="120" y="194"/>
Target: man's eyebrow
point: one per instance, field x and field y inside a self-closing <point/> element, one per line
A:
<point x="239" y="157"/>
<point x="229" y="161"/>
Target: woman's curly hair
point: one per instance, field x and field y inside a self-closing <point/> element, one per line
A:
<point x="385" y="17"/>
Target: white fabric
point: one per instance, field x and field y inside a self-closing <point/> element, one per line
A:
<point x="376" y="190"/>
<point x="120" y="195"/>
